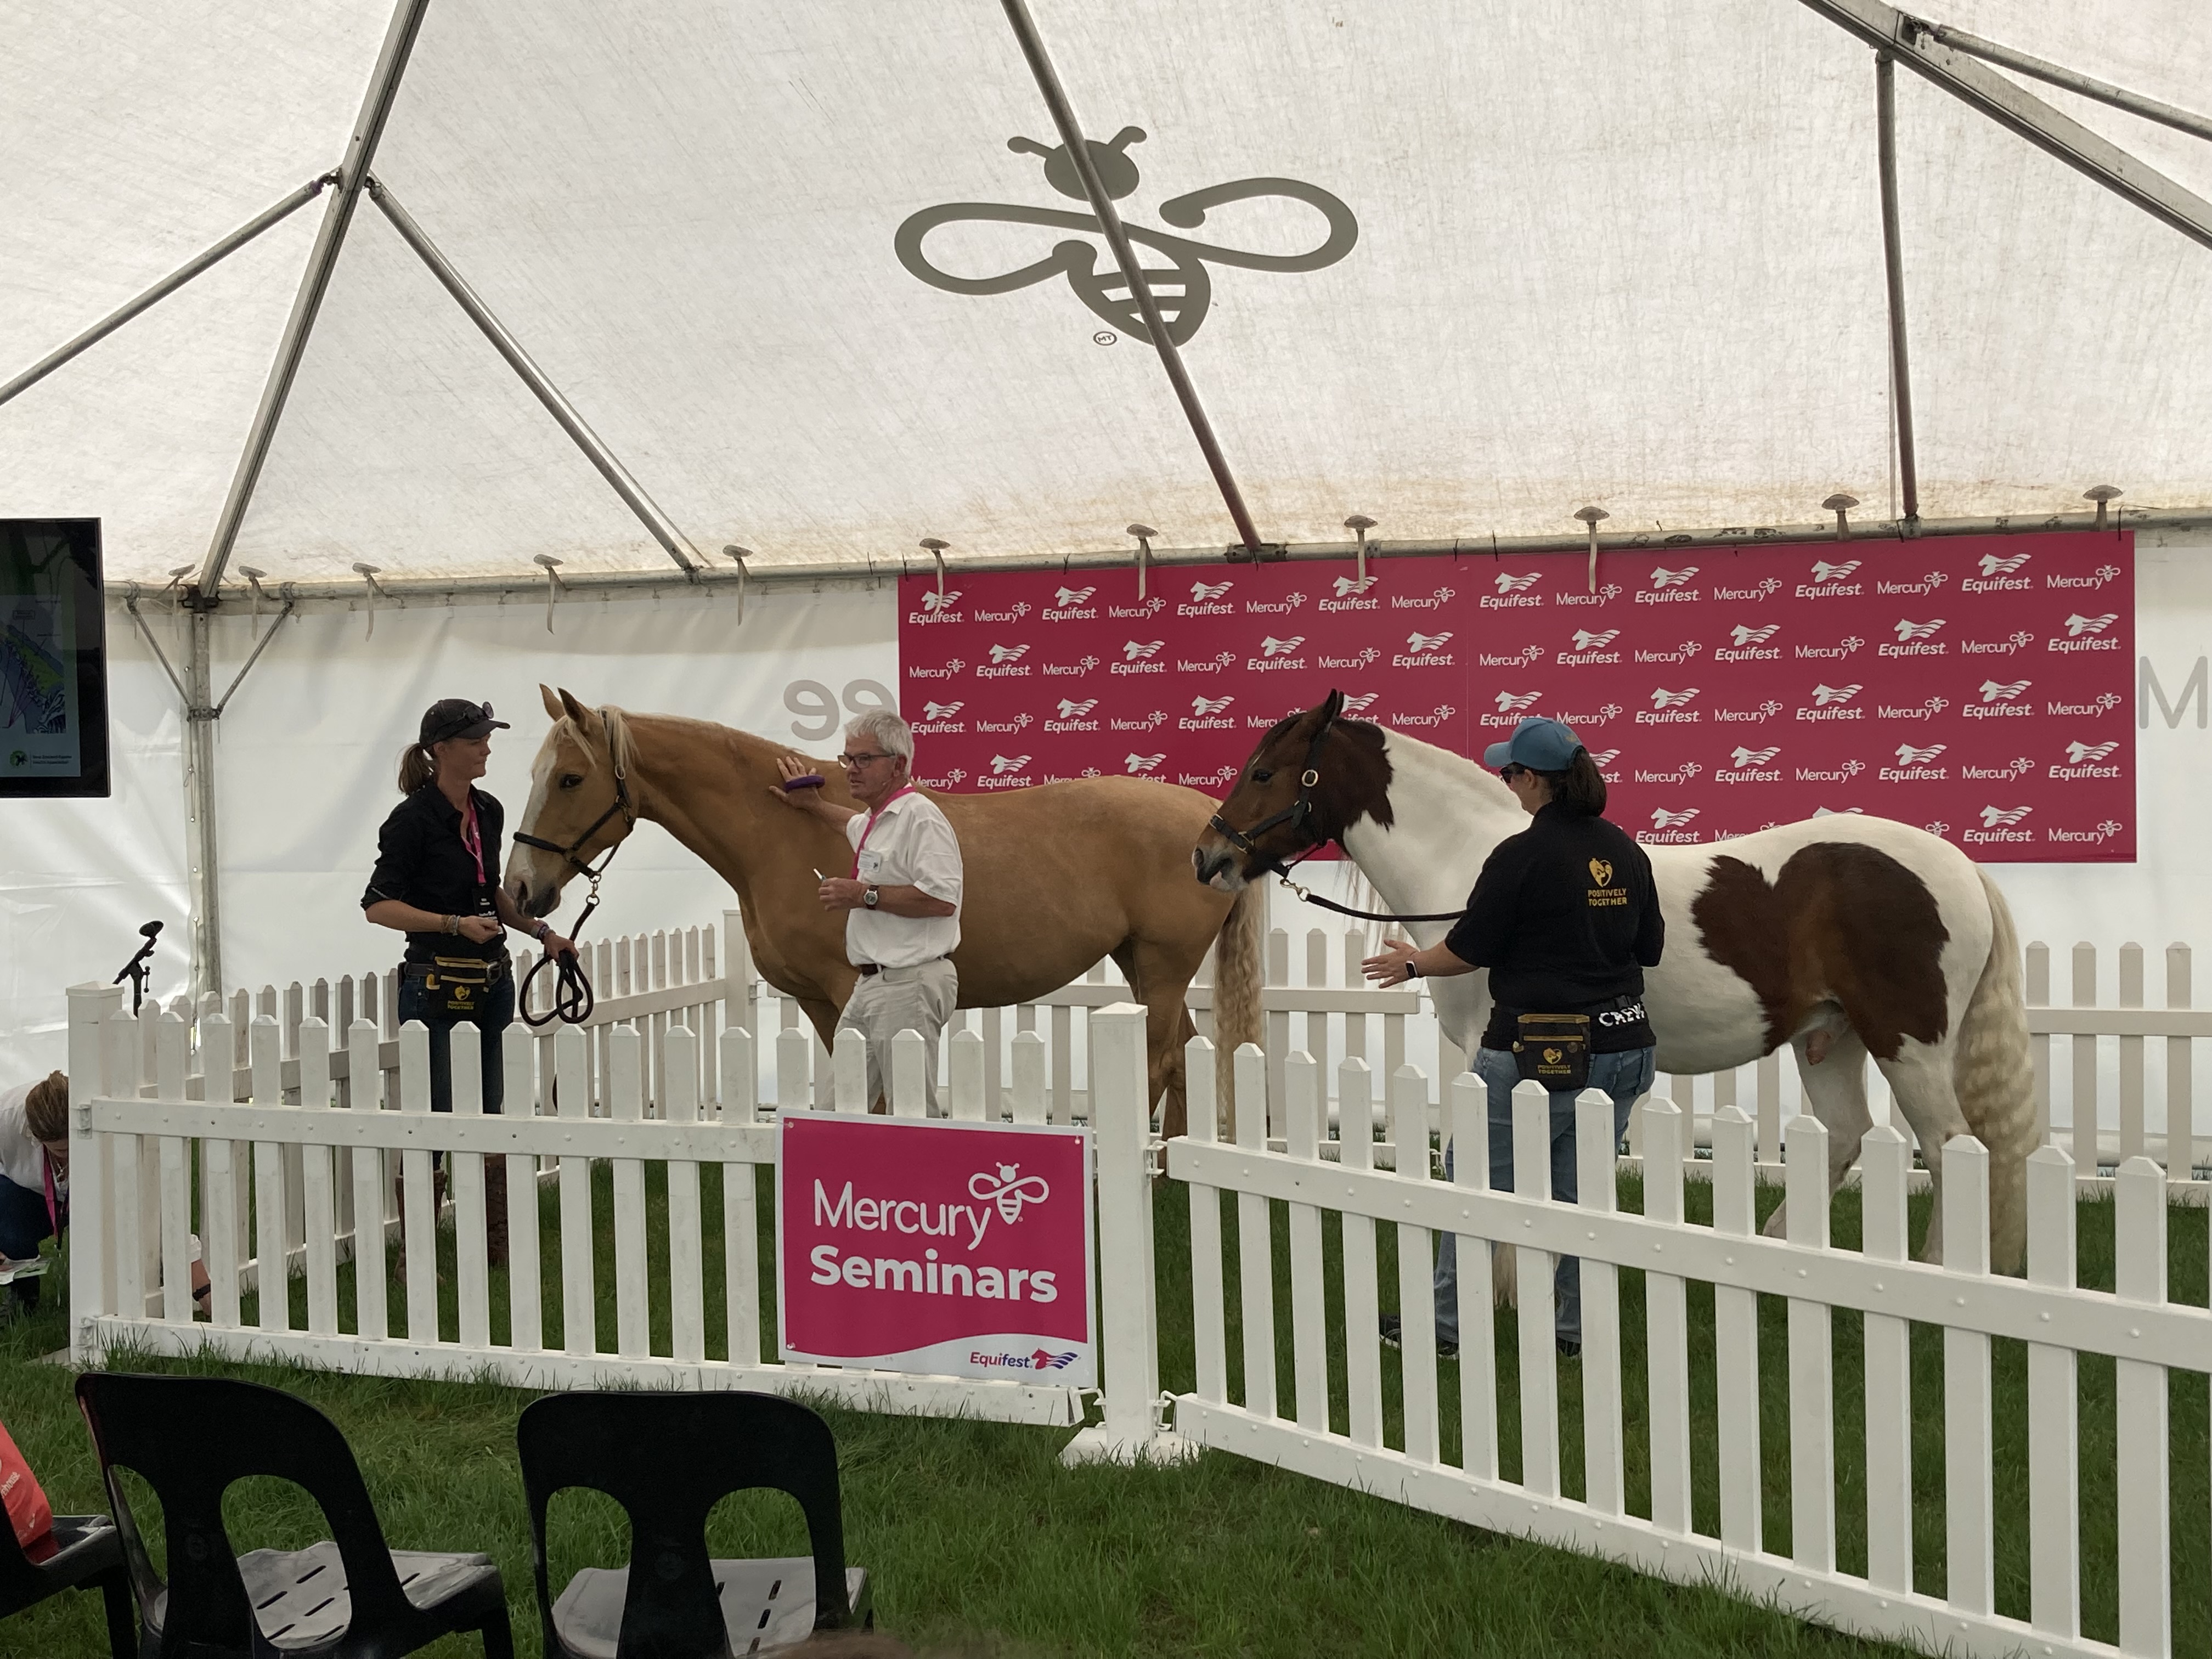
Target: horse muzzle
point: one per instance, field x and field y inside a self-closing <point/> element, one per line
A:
<point x="1216" y="866"/>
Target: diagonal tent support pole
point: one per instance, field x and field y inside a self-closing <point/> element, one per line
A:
<point x="672" y="540"/>
<point x="1900" y="367"/>
<point x="1125" y="255"/>
<point x="322" y="260"/>
<point x="1916" y="46"/>
<point x="168" y="285"/>
<point x="2056" y="74"/>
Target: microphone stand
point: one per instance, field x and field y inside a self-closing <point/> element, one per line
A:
<point x="135" y="970"/>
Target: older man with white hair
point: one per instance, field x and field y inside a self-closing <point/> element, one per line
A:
<point x="902" y="901"/>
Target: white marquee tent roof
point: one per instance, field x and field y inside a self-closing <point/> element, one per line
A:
<point x="1628" y="255"/>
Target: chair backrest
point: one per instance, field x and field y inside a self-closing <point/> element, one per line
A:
<point x="668" y="1459"/>
<point x="190" y="1438"/>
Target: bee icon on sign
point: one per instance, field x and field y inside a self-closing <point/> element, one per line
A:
<point x="1009" y="1189"/>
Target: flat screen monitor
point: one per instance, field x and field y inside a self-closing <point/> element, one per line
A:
<point x="53" y="658"/>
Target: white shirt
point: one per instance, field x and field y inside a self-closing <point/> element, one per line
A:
<point x="908" y="844"/>
<point x="22" y="1160"/>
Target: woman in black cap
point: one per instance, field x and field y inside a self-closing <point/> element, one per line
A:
<point x="437" y="881"/>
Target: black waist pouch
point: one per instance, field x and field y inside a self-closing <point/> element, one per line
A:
<point x="1553" y="1049"/>
<point x="460" y="987"/>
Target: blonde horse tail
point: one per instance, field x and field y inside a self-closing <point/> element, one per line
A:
<point x="1994" y="1081"/>
<point x="1237" y="990"/>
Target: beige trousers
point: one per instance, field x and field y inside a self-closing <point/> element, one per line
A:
<point x="895" y="999"/>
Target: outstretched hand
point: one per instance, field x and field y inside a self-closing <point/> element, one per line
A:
<point x="805" y="798"/>
<point x="1390" y="967"/>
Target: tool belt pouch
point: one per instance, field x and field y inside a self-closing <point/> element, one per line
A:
<point x="461" y="987"/>
<point x="1553" y="1049"/>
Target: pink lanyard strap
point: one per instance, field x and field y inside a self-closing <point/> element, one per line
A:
<point x="869" y="828"/>
<point x="54" y="1202"/>
<point x="472" y="838"/>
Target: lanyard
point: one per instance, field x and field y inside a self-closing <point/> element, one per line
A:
<point x="869" y="828"/>
<point x="472" y="838"/>
<point x="53" y="1203"/>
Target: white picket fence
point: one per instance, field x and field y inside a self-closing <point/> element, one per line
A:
<point x="148" y="1157"/>
<point x="148" y="1161"/>
<point x="2147" y="1336"/>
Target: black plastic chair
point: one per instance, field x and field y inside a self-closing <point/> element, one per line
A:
<point x="84" y="1553"/>
<point x="667" y="1459"/>
<point x="348" y="1597"/>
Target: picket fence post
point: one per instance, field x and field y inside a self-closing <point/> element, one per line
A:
<point x="1121" y="1123"/>
<point x="89" y="1008"/>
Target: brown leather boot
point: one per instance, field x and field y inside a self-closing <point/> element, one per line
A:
<point x="495" y="1211"/>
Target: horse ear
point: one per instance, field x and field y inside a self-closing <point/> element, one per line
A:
<point x="1332" y="706"/>
<point x="553" y="709"/>
<point x="586" y="722"/>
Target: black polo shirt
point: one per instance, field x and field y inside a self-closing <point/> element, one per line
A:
<point x="1565" y="917"/>
<point x="421" y="861"/>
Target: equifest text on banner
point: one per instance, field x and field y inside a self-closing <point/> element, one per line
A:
<point x="949" y="1248"/>
<point x="1976" y="686"/>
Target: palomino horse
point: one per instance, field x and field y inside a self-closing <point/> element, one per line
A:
<point x="1842" y="935"/>
<point x="1057" y="877"/>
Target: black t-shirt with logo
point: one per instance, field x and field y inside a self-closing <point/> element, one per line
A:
<point x="421" y="861"/>
<point x="1565" y="917"/>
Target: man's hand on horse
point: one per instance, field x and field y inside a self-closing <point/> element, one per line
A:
<point x="1390" y="967"/>
<point x="843" y="893"/>
<point x="807" y="797"/>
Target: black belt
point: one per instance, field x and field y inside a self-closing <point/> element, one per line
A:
<point x="494" y="970"/>
<point x="867" y="968"/>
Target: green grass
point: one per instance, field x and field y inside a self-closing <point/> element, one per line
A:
<point x="980" y="1542"/>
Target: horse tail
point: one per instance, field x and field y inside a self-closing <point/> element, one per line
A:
<point x="1994" y="1081"/>
<point x="1237" y="987"/>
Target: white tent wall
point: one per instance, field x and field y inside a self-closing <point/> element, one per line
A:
<point x="307" y="757"/>
<point x="77" y="877"/>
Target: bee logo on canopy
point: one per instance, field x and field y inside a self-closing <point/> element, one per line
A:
<point x="1178" y="274"/>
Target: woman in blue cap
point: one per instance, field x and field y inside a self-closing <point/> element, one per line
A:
<point x="1566" y="918"/>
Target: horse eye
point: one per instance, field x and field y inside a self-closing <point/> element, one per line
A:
<point x="572" y="780"/>
<point x="1262" y="775"/>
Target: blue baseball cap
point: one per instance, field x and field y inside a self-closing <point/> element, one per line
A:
<point x="1539" y="743"/>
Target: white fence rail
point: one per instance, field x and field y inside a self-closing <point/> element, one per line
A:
<point x="1332" y="1417"/>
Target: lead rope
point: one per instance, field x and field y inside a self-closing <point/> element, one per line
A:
<point x="572" y="998"/>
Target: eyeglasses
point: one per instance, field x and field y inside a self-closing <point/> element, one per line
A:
<point x="854" y="762"/>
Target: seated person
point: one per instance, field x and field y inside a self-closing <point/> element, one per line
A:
<point x="34" y="1179"/>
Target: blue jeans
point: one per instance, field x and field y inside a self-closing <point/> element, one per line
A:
<point x="490" y="1022"/>
<point x="23" y="1222"/>
<point x="1627" y="1078"/>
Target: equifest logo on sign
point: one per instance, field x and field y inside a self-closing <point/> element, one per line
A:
<point x="949" y="1249"/>
<point x="1983" y="650"/>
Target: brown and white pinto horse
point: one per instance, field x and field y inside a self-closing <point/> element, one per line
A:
<point x="1057" y="877"/>
<point x="1842" y="935"/>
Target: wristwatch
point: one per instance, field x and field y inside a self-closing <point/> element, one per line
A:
<point x="1413" y="969"/>
<point x="870" y="897"/>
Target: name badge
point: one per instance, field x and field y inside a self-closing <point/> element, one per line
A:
<point x="870" y="864"/>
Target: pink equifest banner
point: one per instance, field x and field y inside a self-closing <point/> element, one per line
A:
<point x="1976" y="686"/>
<point x="953" y="1250"/>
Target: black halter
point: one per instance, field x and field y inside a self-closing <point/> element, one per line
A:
<point x="1299" y="815"/>
<point x="573" y="1001"/>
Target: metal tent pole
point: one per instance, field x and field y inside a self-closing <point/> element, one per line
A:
<point x="2011" y="105"/>
<point x="322" y="260"/>
<point x="168" y="285"/>
<point x="672" y="540"/>
<point x="202" y="865"/>
<point x="1900" y="367"/>
<point x="1140" y="290"/>
<point x="2103" y="91"/>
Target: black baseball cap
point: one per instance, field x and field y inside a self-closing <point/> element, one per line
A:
<point x="457" y="717"/>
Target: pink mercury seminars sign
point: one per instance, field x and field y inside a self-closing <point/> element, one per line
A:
<point x="953" y="1250"/>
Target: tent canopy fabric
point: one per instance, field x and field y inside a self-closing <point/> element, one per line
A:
<point x="1628" y="255"/>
